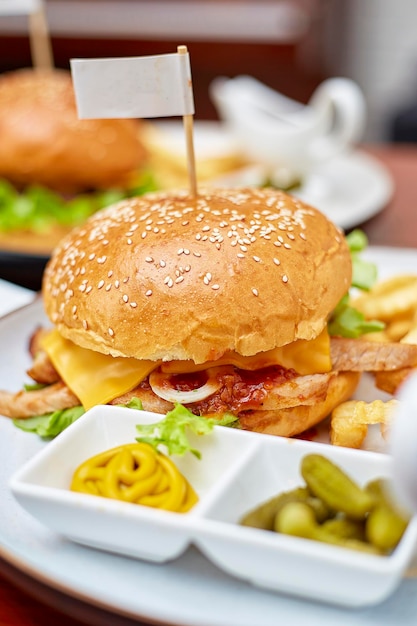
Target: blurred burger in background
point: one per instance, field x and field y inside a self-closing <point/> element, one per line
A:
<point x="56" y="170"/>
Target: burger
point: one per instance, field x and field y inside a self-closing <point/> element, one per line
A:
<point x="55" y="169"/>
<point x="218" y="302"/>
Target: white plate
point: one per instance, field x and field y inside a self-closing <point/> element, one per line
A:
<point x="189" y="590"/>
<point x="349" y="189"/>
<point x="13" y="296"/>
<point x="236" y="472"/>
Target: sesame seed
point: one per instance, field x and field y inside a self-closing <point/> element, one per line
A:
<point x="277" y="261"/>
<point x="149" y="259"/>
<point x="148" y="293"/>
<point x="117" y="284"/>
<point x="287" y="246"/>
<point x="215" y="286"/>
<point x="285" y="278"/>
<point x="255" y="292"/>
<point x="162" y="263"/>
<point x="256" y="258"/>
<point x="197" y="254"/>
<point x="129" y="242"/>
<point x="179" y="279"/>
<point x="85" y="325"/>
<point x="110" y="274"/>
<point x="180" y="251"/>
<point x="125" y="298"/>
<point x="111" y="332"/>
<point x="240" y="255"/>
<point x="133" y="305"/>
<point x="89" y="289"/>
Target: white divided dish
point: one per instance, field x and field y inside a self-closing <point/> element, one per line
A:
<point x="237" y="471"/>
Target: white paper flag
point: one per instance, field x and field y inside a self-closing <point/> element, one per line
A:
<point x="152" y="86"/>
<point x="20" y="7"/>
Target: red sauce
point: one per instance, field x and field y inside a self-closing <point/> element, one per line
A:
<point x="240" y="390"/>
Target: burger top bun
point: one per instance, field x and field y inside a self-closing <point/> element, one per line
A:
<point x="43" y="141"/>
<point x="170" y="276"/>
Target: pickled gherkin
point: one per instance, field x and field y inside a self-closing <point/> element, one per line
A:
<point x="331" y="508"/>
<point x="263" y="516"/>
<point x="298" y="519"/>
<point x="386" y="523"/>
<point x="329" y="483"/>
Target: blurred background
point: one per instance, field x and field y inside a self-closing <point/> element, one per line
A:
<point x="291" y="45"/>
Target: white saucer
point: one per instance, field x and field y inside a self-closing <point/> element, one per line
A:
<point x="349" y="189"/>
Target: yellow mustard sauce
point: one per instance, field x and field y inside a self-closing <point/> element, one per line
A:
<point x="136" y="473"/>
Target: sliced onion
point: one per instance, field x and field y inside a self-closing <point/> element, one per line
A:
<point x="160" y="385"/>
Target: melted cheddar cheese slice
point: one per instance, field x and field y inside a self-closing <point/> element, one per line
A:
<point x="97" y="378"/>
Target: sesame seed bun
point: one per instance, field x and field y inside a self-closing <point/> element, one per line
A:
<point x="173" y="277"/>
<point x="44" y="142"/>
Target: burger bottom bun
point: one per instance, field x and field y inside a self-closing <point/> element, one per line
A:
<point x="295" y="420"/>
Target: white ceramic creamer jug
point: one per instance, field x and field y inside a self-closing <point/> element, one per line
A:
<point x="280" y="132"/>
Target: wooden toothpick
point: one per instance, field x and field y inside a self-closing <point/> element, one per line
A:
<point x="40" y="43"/>
<point x="189" y="142"/>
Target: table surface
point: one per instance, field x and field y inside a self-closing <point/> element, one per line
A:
<point x="27" y="602"/>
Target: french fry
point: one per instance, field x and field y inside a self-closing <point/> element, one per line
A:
<point x="411" y="336"/>
<point x="350" y="420"/>
<point x="389" y="381"/>
<point x="389" y="299"/>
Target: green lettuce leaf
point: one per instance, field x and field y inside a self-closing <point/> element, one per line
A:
<point x="171" y="430"/>
<point x="134" y="403"/>
<point x="37" y="208"/>
<point x="50" y="425"/>
<point x="346" y="321"/>
<point x="364" y="273"/>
